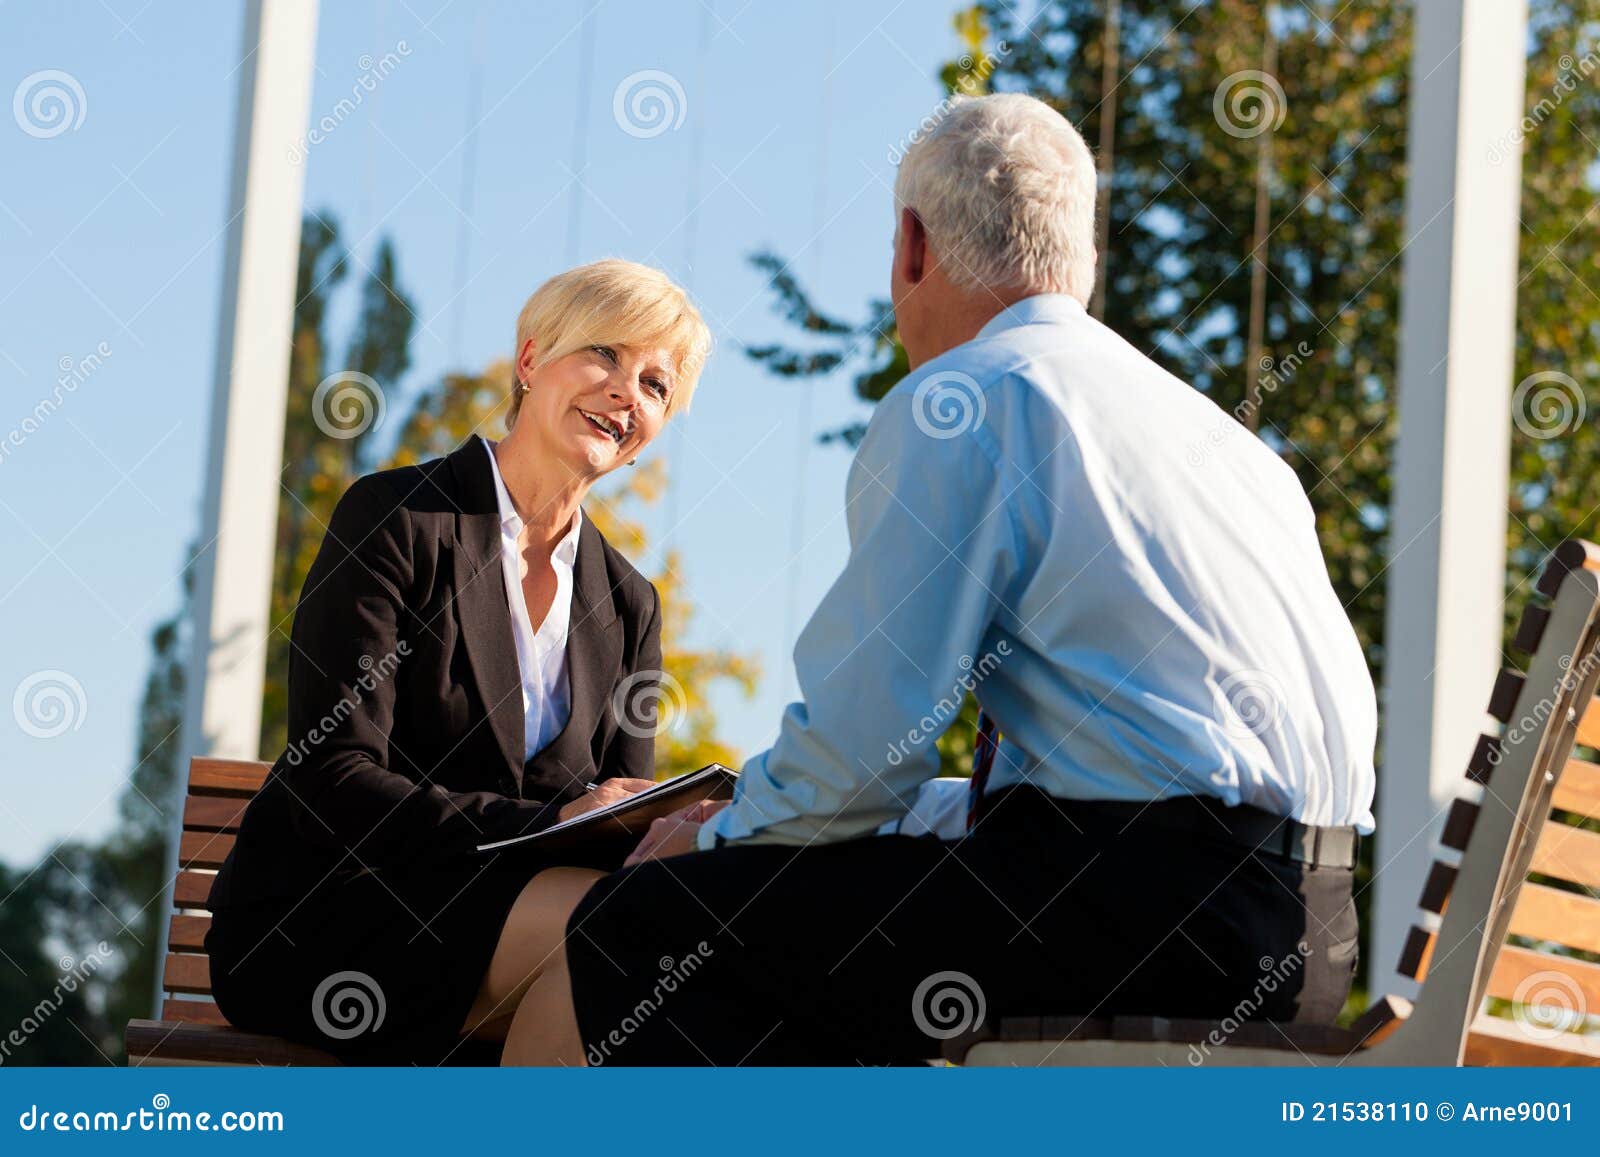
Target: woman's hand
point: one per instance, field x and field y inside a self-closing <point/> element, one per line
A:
<point x="605" y="793"/>
<point x="676" y="834"/>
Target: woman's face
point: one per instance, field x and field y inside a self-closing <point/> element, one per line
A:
<point x="596" y="408"/>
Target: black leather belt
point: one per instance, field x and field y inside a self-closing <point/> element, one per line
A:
<point x="1207" y="817"/>
<point x="1250" y="827"/>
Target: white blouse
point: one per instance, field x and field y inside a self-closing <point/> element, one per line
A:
<point x="541" y="654"/>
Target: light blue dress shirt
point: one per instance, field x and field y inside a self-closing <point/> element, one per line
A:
<point x="1127" y="578"/>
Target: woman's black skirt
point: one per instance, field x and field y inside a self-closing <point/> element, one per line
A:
<point x="375" y="967"/>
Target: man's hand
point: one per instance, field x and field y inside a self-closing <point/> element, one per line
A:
<point x="676" y="834"/>
<point x="605" y="793"/>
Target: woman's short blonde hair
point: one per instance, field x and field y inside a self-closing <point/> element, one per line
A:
<point x="614" y="302"/>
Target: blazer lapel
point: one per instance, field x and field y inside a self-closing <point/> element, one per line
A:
<point x="482" y="605"/>
<point x="594" y="658"/>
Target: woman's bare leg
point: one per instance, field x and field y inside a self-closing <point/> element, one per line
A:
<point x="530" y="943"/>
<point x="545" y="1028"/>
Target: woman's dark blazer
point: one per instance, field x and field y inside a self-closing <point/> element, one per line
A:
<point x="405" y="707"/>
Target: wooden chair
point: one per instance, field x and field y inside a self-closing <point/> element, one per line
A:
<point x="192" y="1030"/>
<point x="1468" y="908"/>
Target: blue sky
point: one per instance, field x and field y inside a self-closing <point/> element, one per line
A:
<point x="111" y="237"/>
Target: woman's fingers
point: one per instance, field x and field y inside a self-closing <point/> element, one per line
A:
<point x="632" y="786"/>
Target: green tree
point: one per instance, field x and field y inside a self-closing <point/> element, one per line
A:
<point x="81" y="895"/>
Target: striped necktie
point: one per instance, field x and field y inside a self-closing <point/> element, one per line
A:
<point x="982" y="764"/>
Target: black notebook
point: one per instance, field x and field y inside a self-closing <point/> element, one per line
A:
<point x="610" y="833"/>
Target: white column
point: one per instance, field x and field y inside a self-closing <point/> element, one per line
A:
<point x="1447" y="552"/>
<point x="233" y="573"/>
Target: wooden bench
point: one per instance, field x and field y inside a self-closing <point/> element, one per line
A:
<point x="1528" y="809"/>
<point x="192" y="1029"/>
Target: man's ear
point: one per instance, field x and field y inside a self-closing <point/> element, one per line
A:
<point x="913" y="252"/>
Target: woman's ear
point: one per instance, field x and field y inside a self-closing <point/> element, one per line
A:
<point x="527" y="360"/>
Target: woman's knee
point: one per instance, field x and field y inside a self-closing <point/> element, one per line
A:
<point x="531" y="937"/>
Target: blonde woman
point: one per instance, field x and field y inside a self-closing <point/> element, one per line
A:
<point x="462" y="647"/>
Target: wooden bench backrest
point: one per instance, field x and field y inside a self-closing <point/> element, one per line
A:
<point x="1526" y="769"/>
<point x="219" y="790"/>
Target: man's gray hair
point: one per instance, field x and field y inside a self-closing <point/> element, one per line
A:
<point x="1005" y="187"/>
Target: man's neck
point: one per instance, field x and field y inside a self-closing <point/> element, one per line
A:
<point x="963" y="316"/>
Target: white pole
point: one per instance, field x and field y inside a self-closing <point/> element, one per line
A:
<point x="1448" y="533"/>
<point x="233" y="573"/>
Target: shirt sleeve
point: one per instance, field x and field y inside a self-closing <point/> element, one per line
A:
<point x="887" y="658"/>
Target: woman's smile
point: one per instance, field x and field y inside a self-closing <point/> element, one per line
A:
<point x="616" y="429"/>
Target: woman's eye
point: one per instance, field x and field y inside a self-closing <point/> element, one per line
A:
<point x="606" y="352"/>
<point x="656" y="387"/>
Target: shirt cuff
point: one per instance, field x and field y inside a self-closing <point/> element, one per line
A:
<point x="709" y="838"/>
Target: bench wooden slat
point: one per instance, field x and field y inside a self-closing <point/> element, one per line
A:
<point x="1578" y="789"/>
<point x="187" y="973"/>
<point x="1563" y="980"/>
<point x="1568" y="853"/>
<point x="1458" y="824"/>
<point x="1569" y="555"/>
<point x="1542" y="978"/>
<point x="1485" y="754"/>
<point x="155" y="1040"/>
<point x="1503" y="699"/>
<point x="1436" y="888"/>
<point x="197" y="1011"/>
<point x="1530" y="628"/>
<point x="204" y="849"/>
<point x="212" y="813"/>
<point x="188" y="933"/>
<point x="238" y="778"/>
<point x="1589" y="725"/>
<point x="1546" y="913"/>
<point x="1499" y="1042"/>
<point x="193" y="890"/>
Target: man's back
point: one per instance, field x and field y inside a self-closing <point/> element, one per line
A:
<point x="1171" y="625"/>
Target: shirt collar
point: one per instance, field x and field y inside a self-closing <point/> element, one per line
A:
<point x="511" y="522"/>
<point x="1041" y="307"/>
